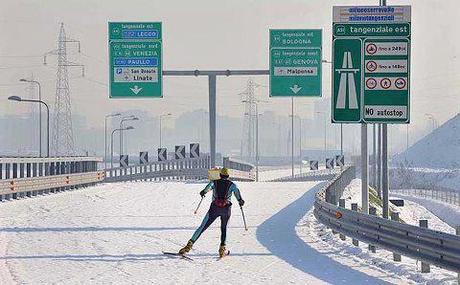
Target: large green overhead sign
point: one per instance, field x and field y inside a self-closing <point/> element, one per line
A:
<point x="371" y="64"/>
<point x="135" y="56"/>
<point x="295" y="62"/>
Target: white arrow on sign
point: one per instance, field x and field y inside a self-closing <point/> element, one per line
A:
<point x="295" y="88"/>
<point x="136" y="89"/>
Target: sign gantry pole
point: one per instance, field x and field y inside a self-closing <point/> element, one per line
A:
<point x="385" y="188"/>
<point x="212" y="118"/>
<point x="364" y="170"/>
<point x="212" y="85"/>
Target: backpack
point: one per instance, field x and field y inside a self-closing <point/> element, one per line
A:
<point x="222" y="186"/>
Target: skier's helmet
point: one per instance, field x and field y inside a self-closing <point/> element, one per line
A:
<point x="224" y="172"/>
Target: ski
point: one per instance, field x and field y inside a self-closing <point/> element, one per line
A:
<point x="175" y="254"/>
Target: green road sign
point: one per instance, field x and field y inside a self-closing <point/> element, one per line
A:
<point x="371" y="70"/>
<point x="295" y="62"/>
<point x="135" y="57"/>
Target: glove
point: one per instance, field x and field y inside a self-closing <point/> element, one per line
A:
<point x="202" y="193"/>
<point x="241" y="202"/>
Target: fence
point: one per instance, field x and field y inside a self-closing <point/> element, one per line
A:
<point x="432" y="247"/>
<point x="451" y="197"/>
<point x="29" y="176"/>
<point x="188" y="168"/>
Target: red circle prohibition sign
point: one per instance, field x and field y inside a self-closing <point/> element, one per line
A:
<point x="385" y="83"/>
<point x="371" y="83"/>
<point x="400" y="83"/>
<point x="371" y="66"/>
<point x="371" y="48"/>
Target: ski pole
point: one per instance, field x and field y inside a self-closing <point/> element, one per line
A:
<point x="199" y="204"/>
<point x="244" y="219"/>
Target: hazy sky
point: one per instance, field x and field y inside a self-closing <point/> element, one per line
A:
<point x="209" y="34"/>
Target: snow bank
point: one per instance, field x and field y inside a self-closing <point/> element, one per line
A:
<point x="448" y="213"/>
<point x="442" y="145"/>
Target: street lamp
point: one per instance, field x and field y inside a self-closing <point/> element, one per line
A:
<point x="19" y="99"/>
<point x="160" y="117"/>
<point x="111" y="142"/>
<point x="325" y="134"/>
<point x="105" y="136"/>
<point x="39" y="111"/>
<point x="124" y="119"/>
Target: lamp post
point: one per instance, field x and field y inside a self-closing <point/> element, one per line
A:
<point x="39" y="112"/>
<point x="111" y="142"/>
<point x="160" y="117"/>
<point x="105" y="136"/>
<point x="124" y="119"/>
<point x="19" y="99"/>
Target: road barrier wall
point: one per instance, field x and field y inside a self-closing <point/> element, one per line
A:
<point x="180" y="169"/>
<point x="239" y="170"/>
<point x="31" y="176"/>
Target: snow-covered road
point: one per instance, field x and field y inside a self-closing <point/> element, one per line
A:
<point x="115" y="233"/>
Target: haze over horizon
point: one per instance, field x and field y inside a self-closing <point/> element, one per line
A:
<point x="210" y="35"/>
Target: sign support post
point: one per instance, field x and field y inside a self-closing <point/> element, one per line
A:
<point x="364" y="170"/>
<point x="292" y="137"/>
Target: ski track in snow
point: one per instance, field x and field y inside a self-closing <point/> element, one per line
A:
<point x="114" y="233"/>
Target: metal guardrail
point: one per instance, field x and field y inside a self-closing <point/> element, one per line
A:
<point x="178" y="169"/>
<point x="29" y="176"/>
<point x="182" y="169"/>
<point x="314" y="175"/>
<point x="46" y="184"/>
<point x="239" y="170"/>
<point x="433" y="247"/>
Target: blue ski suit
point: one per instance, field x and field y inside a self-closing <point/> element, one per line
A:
<point x="221" y="205"/>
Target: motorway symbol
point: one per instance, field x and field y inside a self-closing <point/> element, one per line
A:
<point x="194" y="150"/>
<point x="179" y="152"/>
<point x="162" y="154"/>
<point x="339" y="160"/>
<point x="143" y="157"/>
<point x="347" y="75"/>
<point x="295" y="62"/>
<point x="124" y="160"/>
<point x="346" y="80"/>
<point x="329" y="163"/>
<point x="371" y="83"/>
<point x="313" y="165"/>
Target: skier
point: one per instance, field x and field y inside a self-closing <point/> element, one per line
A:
<point x="222" y="190"/>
